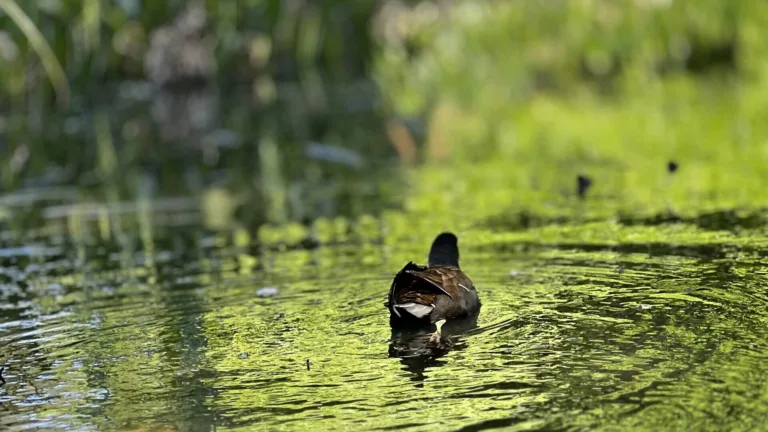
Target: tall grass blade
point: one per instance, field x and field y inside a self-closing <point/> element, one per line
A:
<point x="40" y="45"/>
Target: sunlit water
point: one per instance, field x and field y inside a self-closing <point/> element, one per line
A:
<point x="170" y="327"/>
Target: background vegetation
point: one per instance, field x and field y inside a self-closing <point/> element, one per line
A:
<point x="290" y="111"/>
<point x="518" y="76"/>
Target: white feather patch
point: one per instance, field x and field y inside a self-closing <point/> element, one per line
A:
<point x="415" y="309"/>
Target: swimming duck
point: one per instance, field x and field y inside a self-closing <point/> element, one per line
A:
<point x="433" y="294"/>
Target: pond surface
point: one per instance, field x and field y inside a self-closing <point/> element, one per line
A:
<point x="604" y="313"/>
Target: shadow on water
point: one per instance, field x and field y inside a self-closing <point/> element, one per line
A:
<point x="721" y="220"/>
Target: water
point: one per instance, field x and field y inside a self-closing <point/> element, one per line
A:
<point x="597" y="314"/>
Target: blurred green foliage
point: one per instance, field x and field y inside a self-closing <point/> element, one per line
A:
<point x="97" y="40"/>
<point x="286" y="73"/>
<point x="673" y="77"/>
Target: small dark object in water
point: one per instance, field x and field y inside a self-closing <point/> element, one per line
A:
<point x="2" y="380"/>
<point x="433" y="294"/>
<point x="672" y="167"/>
<point x="243" y="356"/>
<point x="309" y="243"/>
<point x="307" y="364"/>
<point x="582" y="184"/>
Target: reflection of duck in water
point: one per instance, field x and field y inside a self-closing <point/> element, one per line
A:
<point x="417" y="350"/>
<point x="421" y="296"/>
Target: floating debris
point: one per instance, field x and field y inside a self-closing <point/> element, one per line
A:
<point x="2" y="380"/>
<point x="582" y="185"/>
<point x="514" y="272"/>
<point x="672" y="167"/>
<point x="243" y="356"/>
<point x="267" y="292"/>
<point x="223" y="138"/>
<point x="307" y="364"/>
<point x="644" y="307"/>
<point x="331" y="153"/>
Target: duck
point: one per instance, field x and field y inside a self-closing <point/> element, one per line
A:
<point x="433" y="294"/>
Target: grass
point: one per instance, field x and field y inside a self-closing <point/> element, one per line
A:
<point x="37" y="41"/>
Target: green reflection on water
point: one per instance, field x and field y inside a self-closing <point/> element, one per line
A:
<point x="607" y="311"/>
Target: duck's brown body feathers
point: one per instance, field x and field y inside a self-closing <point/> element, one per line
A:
<point x="426" y="294"/>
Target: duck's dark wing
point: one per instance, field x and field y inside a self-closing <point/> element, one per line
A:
<point x="402" y="281"/>
<point x="448" y="279"/>
<point x="422" y="284"/>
